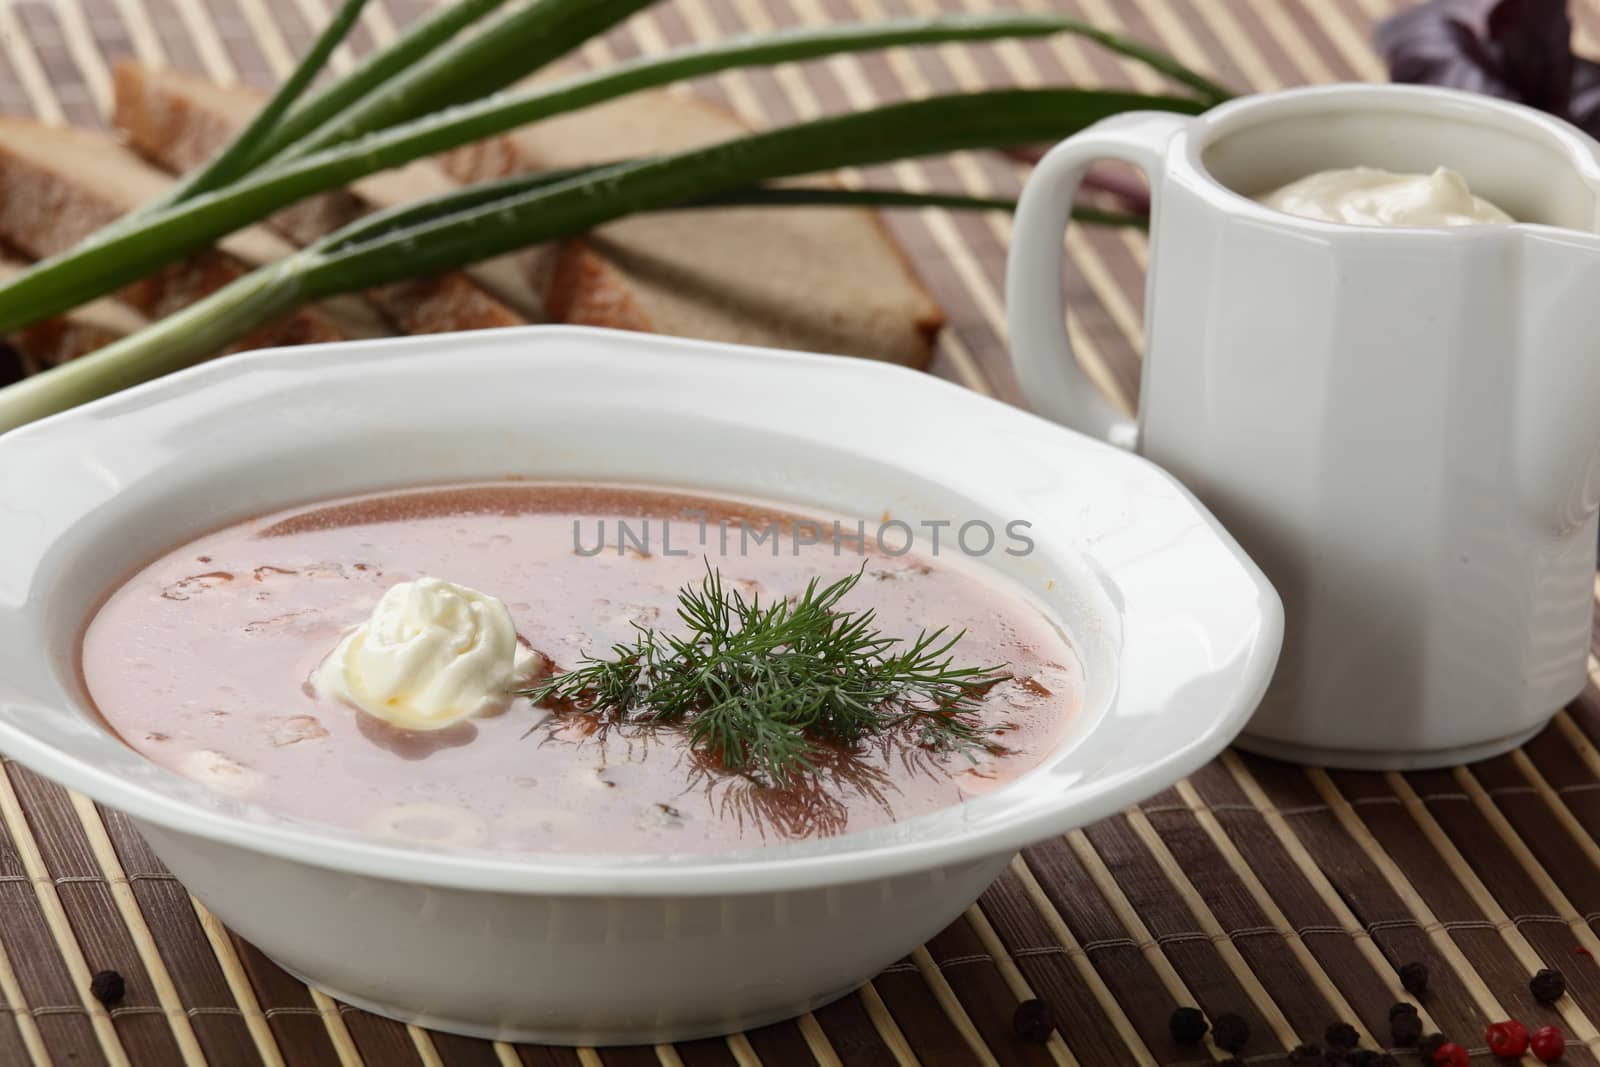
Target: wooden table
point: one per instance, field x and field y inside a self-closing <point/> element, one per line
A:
<point x="1287" y="896"/>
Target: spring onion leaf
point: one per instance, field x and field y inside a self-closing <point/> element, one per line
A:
<point x="419" y="239"/>
<point x="235" y="159"/>
<point x="111" y="260"/>
<point x="375" y="70"/>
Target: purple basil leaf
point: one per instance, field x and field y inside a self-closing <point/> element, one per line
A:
<point x="1584" y="107"/>
<point x="1534" y="38"/>
<point x="1442" y="42"/>
<point x="1515" y="49"/>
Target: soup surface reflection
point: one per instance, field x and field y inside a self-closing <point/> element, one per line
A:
<point x="202" y="662"/>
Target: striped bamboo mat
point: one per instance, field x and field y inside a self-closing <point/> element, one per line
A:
<point x="1287" y="896"/>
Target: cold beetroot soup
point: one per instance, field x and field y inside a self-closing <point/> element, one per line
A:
<point x="208" y="662"/>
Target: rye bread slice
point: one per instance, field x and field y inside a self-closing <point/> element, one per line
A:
<point x="61" y="184"/>
<point x="831" y="280"/>
<point x="823" y="279"/>
<point x="179" y="121"/>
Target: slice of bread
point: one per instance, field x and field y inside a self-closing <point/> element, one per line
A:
<point x="179" y="122"/>
<point x="61" y="184"/>
<point x="823" y="279"/>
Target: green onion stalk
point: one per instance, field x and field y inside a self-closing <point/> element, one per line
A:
<point x="109" y="262"/>
<point x="381" y="116"/>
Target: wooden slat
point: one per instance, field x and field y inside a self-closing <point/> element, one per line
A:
<point x="25" y="67"/>
<point x="88" y="838"/>
<point x="1057" y="967"/>
<point x="57" y="925"/>
<point x="1320" y="915"/>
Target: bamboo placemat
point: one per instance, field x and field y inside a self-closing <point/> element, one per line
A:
<point x="1287" y="896"/>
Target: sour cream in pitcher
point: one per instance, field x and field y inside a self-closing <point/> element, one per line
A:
<point x="1366" y="196"/>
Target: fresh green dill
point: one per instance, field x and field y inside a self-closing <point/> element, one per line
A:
<point x="761" y="687"/>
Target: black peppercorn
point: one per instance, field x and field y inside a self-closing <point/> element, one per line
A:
<point x="108" y="987"/>
<point x="1341" y="1035"/>
<point x="1414" y="978"/>
<point x="1547" y="986"/>
<point x="1307" y="1054"/>
<point x="1188" y="1025"/>
<point x="1402" y="1007"/>
<point x="1405" y="1029"/>
<point x="1360" y="1057"/>
<point x="1430" y="1045"/>
<point x="1230" y="1032"/>
<point x="1034" y="1020"/>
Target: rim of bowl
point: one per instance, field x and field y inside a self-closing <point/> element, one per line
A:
<point x="779" y="867"/>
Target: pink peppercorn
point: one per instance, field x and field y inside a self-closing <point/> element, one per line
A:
<point x="1548" y="1043"/>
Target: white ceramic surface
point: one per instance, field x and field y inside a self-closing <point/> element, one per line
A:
<point x="1398" y="424"/>
<point x="1178" y="632"/>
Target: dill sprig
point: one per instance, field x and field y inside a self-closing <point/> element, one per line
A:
<point x="762" y="686"/>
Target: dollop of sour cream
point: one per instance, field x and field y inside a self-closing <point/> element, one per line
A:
<point x="431" y="654"/>
<point x="1365" y="196"/>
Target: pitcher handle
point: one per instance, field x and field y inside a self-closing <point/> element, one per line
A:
<point x="1053" y="382"/>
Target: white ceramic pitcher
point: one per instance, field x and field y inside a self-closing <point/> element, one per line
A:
<point x="1401" y="425"/>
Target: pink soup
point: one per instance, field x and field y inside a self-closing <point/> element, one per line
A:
<point x="202" y="660"/>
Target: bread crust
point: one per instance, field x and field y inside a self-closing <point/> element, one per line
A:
<point x="178" y="122"/>
<point x="61" y="184"/>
